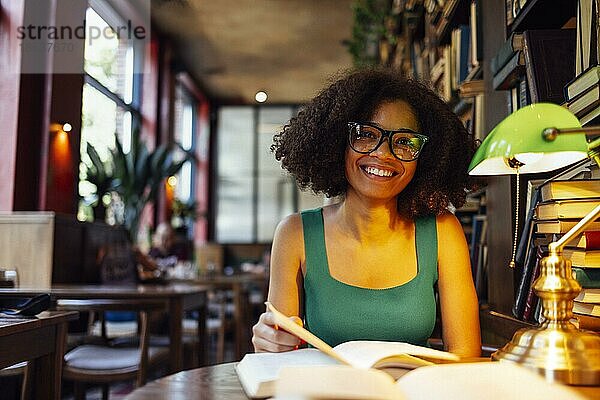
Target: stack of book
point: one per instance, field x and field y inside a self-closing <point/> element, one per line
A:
<point x="583" y="92"/>
<point x="585" y="257"/>
<point x="561" y="205"/>
<point x="508" y="69"/>
<point x="583" y="95"/>
<point x="564" y="203"/>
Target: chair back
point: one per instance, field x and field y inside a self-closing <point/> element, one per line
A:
<point x="142" y="307"/>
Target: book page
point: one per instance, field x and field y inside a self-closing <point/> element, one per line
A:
<point x="370" y="354"/>
<point x="335" y="382"/>
<point x="475" y="381"/>
<point x="258" y="371"/>
<point x="467" y="381"/>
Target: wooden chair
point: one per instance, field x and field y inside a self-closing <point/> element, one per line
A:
<point x="14" y="372"/>
<point x="106" y="363"/>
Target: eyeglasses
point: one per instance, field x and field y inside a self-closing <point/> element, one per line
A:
<point x="405" y="144"/>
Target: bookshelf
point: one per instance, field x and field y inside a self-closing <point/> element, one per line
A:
<point x="429" y="48"/>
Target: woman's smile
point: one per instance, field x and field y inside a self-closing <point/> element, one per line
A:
<point x="378" y="172"/>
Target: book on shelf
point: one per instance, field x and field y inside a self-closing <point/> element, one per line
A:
<point x="508" y="11"/>
<point x="478" y="254"/>
<point x="586" y="101"/>
<point x="447" y="11"/>
<point x="481" y="287"/>
<point x="524" y="98"/>
<point x="533" y="196"/>
<point x="437" y="71"/>
<point x="562" y="225"/>
<point x="594" y="43"/>
<point x="589" y="240"/>
<point x="479" y="117"/>
<point x="587" y="117"/>
<point x="471" y="88"/>
<point x="258" y="371"/>
<point x="527" y="277"/>
<point x="522" y="4"/>
<point x="419" y="59"/>
<point x="583" y="258"/>
<point x="592" y="309"/>
<point x="441" y="74"/>
<point x="587" y="277"/>
<point x="467" y="381"/>
<point x="511" y="46"/>
<point x="578" y="50"/>
<point x="587" y="35"/>
<point x="475" y="73"/>
<point x="547" y="72"/>
<point x="513" y="97"/>
<point x="571" y="189"/>
<point x="476" y="42"/>
<point x="588" y="295"/>
<point x="479" y="225"/>
<point x="588" y="322"/>
<point x="460" y="54"/>
<point x="510" y="74"/>
<point x="446" y="88"/>
<point x="582" y="82"/>
<point x="565" y="208"/>
<point x="530" y="297"/>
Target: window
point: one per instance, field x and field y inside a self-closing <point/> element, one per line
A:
<point x="110" y="104"/>
<point x="184" y="133"/>
<point x="253" y="192"/>
<point x="235" y="186"/>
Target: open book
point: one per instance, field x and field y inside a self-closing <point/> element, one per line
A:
<point x="258" y="372"/>
<point x="466" y="381"/>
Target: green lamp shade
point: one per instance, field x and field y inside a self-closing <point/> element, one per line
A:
<point x="519" y="136"/>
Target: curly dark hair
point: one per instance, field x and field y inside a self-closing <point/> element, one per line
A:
<point x="312" y="146"/>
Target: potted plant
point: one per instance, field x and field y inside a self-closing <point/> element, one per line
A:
<point x="100" y="174"/>
<point x="139" y="174"/>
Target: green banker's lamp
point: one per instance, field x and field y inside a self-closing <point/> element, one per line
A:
<point x="540" y="138"/>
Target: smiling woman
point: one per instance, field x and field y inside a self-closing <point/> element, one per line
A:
<point x="369" y="266"/>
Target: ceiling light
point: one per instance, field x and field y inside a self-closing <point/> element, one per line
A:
<point x="260" y="96"/>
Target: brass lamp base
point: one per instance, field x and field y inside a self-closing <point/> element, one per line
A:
<point x="558" y="351"/>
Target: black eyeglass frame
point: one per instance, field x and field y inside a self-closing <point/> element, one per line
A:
<point x="386" y="133"/>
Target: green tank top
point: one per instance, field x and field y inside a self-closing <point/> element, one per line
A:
<point x="337" y="312"/>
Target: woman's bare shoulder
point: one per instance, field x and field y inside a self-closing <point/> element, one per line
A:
<point x="449" y="228"/>
<point x="288" y="234"/>
<point x="289" y="225"/>
<point x="447" y="221"/>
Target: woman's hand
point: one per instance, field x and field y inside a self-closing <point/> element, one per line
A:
<point x="266" y="337"/>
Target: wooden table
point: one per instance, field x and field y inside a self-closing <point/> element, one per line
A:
<point x="215" y="382"/>
<point x="40" y="341"/>
<point x="221" y="382"/>
<point x="178" y="298"/>
<point x="239" y="285"/>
